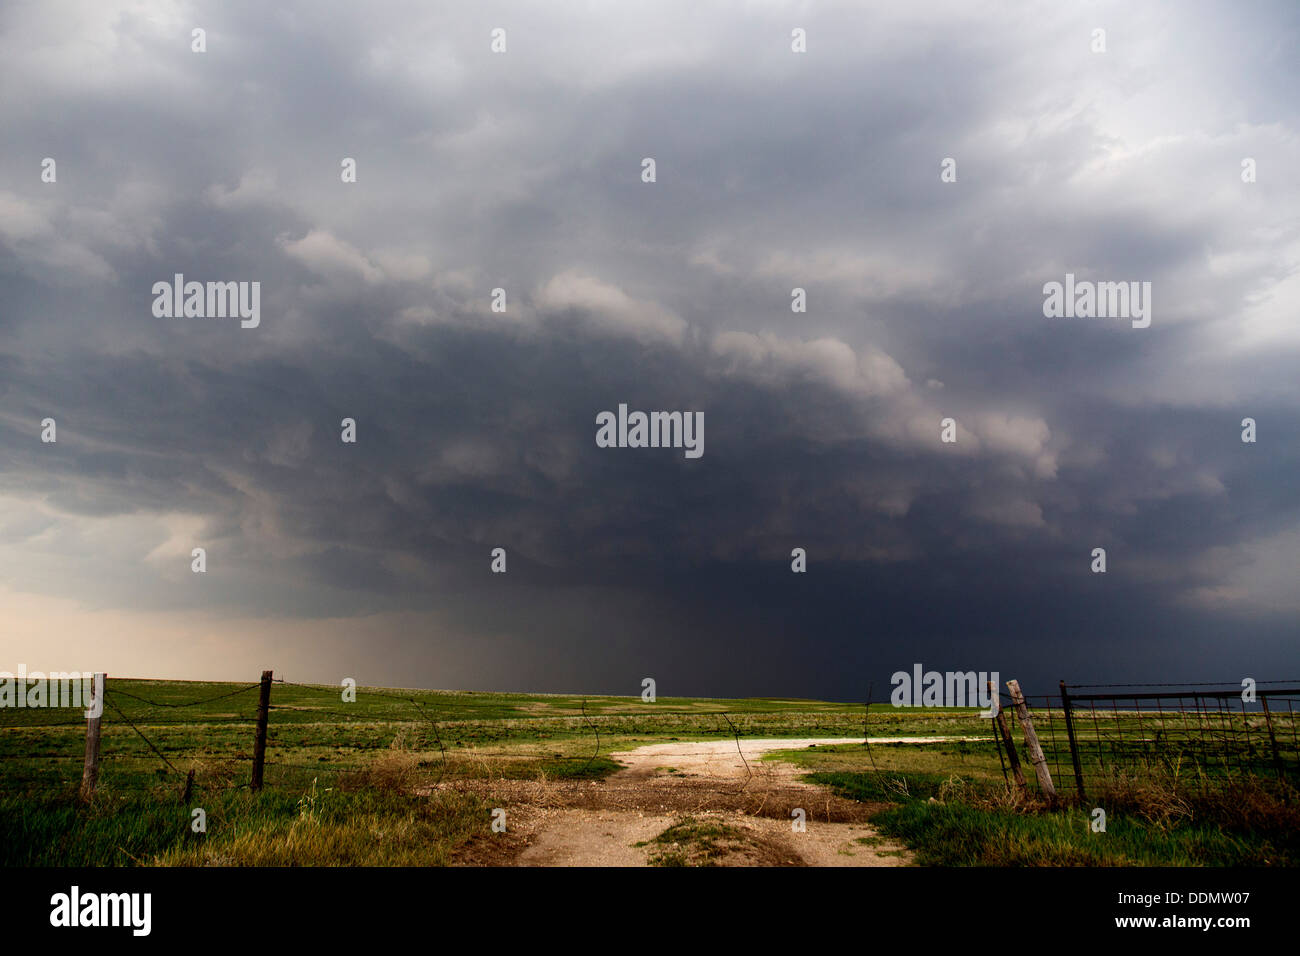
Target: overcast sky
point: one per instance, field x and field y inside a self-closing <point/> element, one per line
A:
<point x="476" y="429"/>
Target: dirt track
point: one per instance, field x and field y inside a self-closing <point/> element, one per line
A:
<point x="600" y="823"/>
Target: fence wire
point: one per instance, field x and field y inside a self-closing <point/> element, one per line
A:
<point x="1097" y="736"/>
<point x="1091" y="737"/>
<point x="454" y="740"/>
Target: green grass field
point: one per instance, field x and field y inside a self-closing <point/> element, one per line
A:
<point x="349" y="783"/>
<point x="343" y="780"/>
<point x="950" y="804"/>
<point x="312" y="732"/>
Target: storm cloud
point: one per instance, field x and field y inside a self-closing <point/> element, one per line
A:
<point x="522" y="171"/>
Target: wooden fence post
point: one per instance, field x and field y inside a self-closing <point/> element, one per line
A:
<point x="1074" y="746"/>
<point x="1036" y="755"/>
<point x="90" y="769"/>
<point x="1000" y="722"/>
<point x="259" y="743"/>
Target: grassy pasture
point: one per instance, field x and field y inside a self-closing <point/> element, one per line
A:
<point x="348" y="783"/>
<point x="312" y="732"/>
<point x="950" y="804"/>
<point x="345" y="783"/>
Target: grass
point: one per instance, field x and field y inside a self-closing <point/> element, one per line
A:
<point x="453" y="735"/>
<point x="344" y="780"/>
<point x="958" y="833"/>
<point x="313" y="732"/>
<point x="318" y="826"/>
<point x="692" y="842"/>
<point x="949" y="804"/>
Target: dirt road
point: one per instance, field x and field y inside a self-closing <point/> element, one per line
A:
<point x="697" y="802"/>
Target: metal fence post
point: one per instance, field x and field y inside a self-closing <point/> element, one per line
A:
<point x="1074" y="746"/>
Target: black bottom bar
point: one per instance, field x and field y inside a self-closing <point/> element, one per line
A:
<point x="970" y="907"/>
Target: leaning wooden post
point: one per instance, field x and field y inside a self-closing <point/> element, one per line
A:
<point x="90" y="769"/>
<point x="259" y="743"/>
<point x="1036" y="755"/>
<point x="1001" y="722"/>
<point x="1074" y="747"/>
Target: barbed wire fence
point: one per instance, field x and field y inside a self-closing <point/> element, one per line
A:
<point x="457" y="741"/>
<point x="1093" y="737"/>
<point x="1086" y="737"/>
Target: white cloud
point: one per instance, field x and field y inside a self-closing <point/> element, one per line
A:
<point x="764" y="357"/>
<point x="609" y="309"/>
<point x="330" y="257"/>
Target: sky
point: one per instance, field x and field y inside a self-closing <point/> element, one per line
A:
<point x="476" y="428"/>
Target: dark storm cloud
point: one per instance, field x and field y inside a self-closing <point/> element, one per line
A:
<point x="477" y="430"/>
